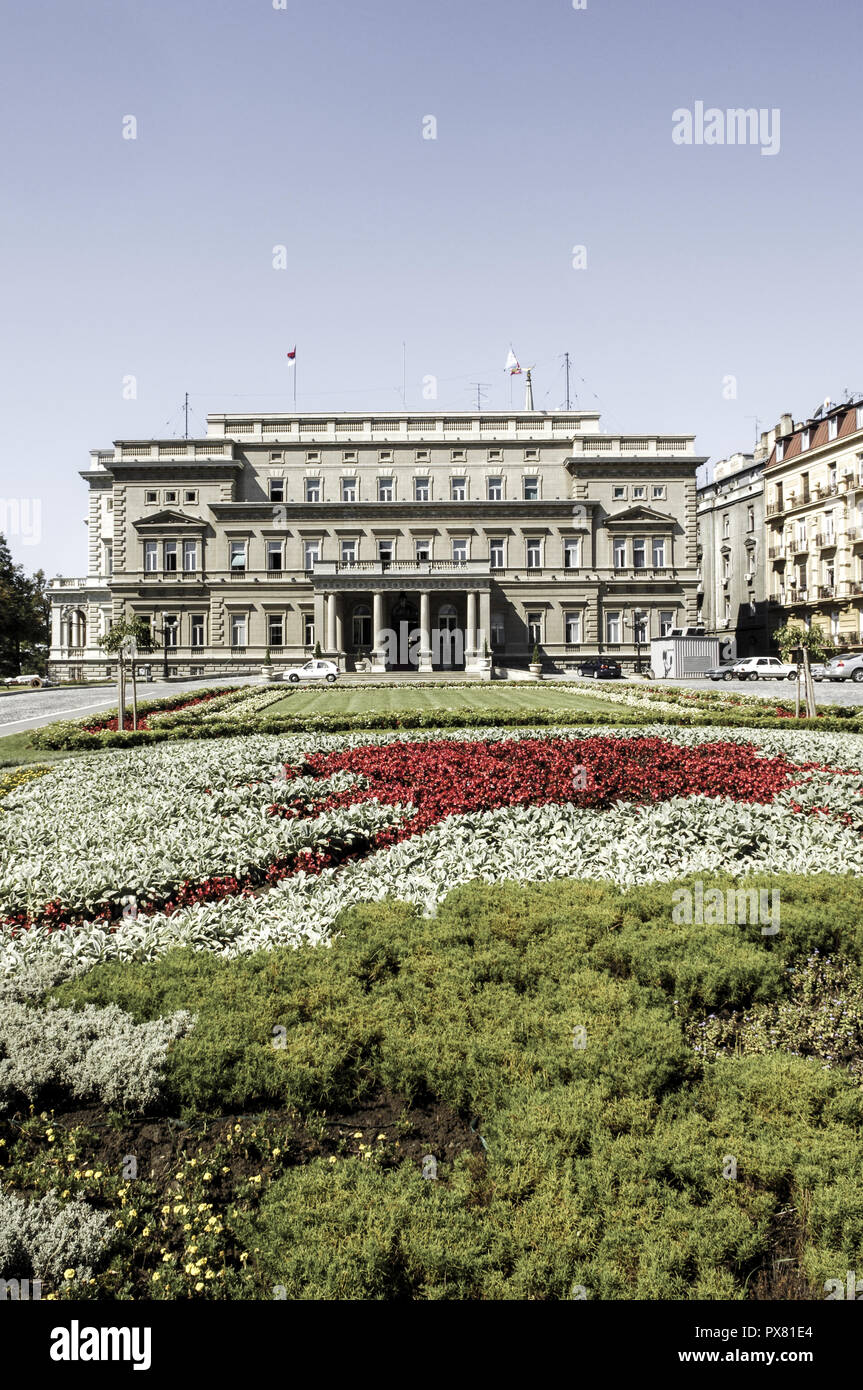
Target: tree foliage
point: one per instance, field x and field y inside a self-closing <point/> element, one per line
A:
<point x="24" y="614"/>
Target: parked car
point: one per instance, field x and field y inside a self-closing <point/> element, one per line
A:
<point x="600" y="668"/>
<point x="722" y="673"/>
<point x="818" y="669"/>
<point x="32" y="679"/>
<point x="765" y="668"/>
<point x="844" y="668"/>
<point x="315" y="670"/>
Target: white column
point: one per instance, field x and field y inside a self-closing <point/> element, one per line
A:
<point x="425" y="657"/>
<point x="378" y="656"/>
<point x="331" y="623"/>
<point x="340" y="627"/>
<point x="484" y="634"/>
<point x="470" y="630"/>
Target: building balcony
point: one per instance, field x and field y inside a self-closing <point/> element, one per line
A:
<point x="775" y="508"/>
<point x="825" y="540"/>
<point x="776" y="552"/>
<point x="412" y="567"/>
<point x="798" y="547"/>
<point x="826" y="590"/>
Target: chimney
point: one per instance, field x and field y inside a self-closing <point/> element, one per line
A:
<point x="785" y="426"/>
<point x="528" y="392"/>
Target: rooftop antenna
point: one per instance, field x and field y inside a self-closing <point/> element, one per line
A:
<point x="186" y="408"/>
<point x="757" y="423"/>
<point x="566" y="368"/>
<point x="480" y="392"/>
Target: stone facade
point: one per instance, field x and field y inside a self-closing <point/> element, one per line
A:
<point x="731" y="553"/>
<point x="393" y="541"/>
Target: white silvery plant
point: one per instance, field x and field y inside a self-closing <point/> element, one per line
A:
<point x="91" y="1053"/>
<point x="44" y="1239"/>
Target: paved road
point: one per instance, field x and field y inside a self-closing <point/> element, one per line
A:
<point x="32" y="708"/>
<point x="826" y="692"/>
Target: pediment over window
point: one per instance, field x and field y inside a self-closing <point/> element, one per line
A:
<point x="170" y="519"/>
<point x="640" y="516"/>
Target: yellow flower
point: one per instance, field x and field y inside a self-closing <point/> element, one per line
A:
<point x="68" y="1274"/>
<point x="198" y="1287"/>
<point x="71" y="1158"/>
<point x="118" y="1225"/>
<point x="357" y="1134"/>
<point x="208" y="1177"/>
<point x="156" y="1275"/>
<point x="146" y="1231"/>
<point x="276" y="1153"/>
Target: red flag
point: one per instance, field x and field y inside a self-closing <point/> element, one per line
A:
<point x="293" y="354"/>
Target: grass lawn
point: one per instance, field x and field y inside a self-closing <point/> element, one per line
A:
<point x="17" y="749"/>
<point x="506" y="698"/>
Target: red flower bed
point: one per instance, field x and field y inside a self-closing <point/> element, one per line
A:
<point x="105" y="725"/>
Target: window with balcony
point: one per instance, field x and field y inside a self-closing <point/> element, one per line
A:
<point x="151" y="557"/>
<point x="169" y="561"/>
<point x="349" y="489"/>
<point x="530" y="489"/>
<point x="619" y="553"/>
<point x="572" y="628"/>
<point x="386" y="489"/>
<point x="275" y="630"/>
<point x="459" y="550"/>
<point x="238" y="630"/>
<point x="313" y="489"/>
<point x="422" y="489"/>
<point x="612" y="627"/>
<point x="494" y="489"/>
<point x="659" y="552"/>
<point x="386" y="551"/>
<point x="422" y="550"/>
<point x="533" y="550"/>
<point x="534" y="627"/>
<point x="238" y="557"/>
<point x="277" y="489"/>
<point x="458" y="489"/>
<point x="275" y="557"/>
<point x="639" y="552"/>
<point x="349" y="552"/>
<point x="311" y="555"/>
<point x="496" y="555"/>
<point x="190" y="557"/>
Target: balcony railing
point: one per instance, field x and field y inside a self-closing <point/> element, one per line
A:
<point x="825" y="539"/>
<point x="415" y="567"/>
<point x="826" y="590"/>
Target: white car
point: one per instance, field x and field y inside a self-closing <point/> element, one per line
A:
<point x="315" y="670"/>
<point x="32" y="679"/>
<point x="765" y="668"/>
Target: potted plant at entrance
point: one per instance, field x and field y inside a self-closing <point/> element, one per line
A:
<point x="318" y="652"/>
<point x="484" y="662"/>
<point x="536" y="662"/>
<point x="267" y="669"/>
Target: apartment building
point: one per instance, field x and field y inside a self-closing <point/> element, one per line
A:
<point x="731" y="556"/>
<point x="468" y="533"/>
<point x="814" y="516"/>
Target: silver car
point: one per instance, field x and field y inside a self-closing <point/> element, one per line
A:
<point x="843" y="668"/>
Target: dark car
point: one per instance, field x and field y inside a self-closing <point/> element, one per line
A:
<point x="600" y="669"/>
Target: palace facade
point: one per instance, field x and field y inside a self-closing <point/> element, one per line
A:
<point x="475" y="536"/>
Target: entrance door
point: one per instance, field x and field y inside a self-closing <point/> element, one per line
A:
<point x="449" y="639"/>
<point x="404" y="618"/>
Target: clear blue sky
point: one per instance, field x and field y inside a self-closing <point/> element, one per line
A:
<point x="303" y="127"/>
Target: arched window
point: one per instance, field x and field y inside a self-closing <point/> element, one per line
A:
<point x="361" y="626"/>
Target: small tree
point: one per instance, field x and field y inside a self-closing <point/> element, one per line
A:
<point x="318" y="652"/>
<point x="536" y="659"/>
<point x="133" y="635"/>
<point x="803" y="644"/>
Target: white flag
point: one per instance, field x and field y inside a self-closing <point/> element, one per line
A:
<point x="512" y="364"/>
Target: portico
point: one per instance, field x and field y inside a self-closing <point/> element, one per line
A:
<point x="424" y="616"/>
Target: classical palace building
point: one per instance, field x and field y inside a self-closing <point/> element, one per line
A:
<point x="814" y="483"/>
<point x="278" y="532"/>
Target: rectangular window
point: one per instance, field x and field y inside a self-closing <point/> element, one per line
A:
<point x="833" y="427"/>
<point x="190" y="556"/>
<point x="530" y="489"/>
<point x="421" y="489"/>
<point x="386" y="489"/>
<point x="498" y="630"/>
<point x="459" y="551"/>
<point x="238" y="557"/>
<point x="458" y="489"/>
<point x="534" y="554"/>
<point x="349" y="489"/>
<point x="386" y="552"/>
<point x="109" y="558"/>
<point x="308" y="629"/>
<point x="639" y="494"/>
<point x="658" y="493"/>
<point x="275" y="630"/>
<point x="190" y="495"/>
<point x="612" y="627"/>
<point x="277" y="489"/>
<point x="349" y="552"/>
<point x="666" y="621"/>
<point x="170" y="557"/>
<point x="750" y="518"/>
<point x="571" y="553"/>
<point x="274" y="557"/>
<point x="313" y="489"/>
<point x="171" y="495"/>
<point x="619" y="552"/>
<point x="422" y="549"/>
<point x="197" y="629"/>
<point x="659" y="552"/>
<point x="151" y="561"/>
<point x="151" y="497"/>
<point x="534" y="628"/>
<point x="171" y="627"/>
<point x="726" y="607"/>
<point x="496" y="554"/>
<point x="494" y="489"/>
<point x="311" y="554"/>
<point x="238" y="630"/>
<point x="639" y="552"/>
<point x="618" y="494"/>
<point x="572" y="627"/>
<point x="639" y="626"/>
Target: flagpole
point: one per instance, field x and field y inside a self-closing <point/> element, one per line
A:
<point x="295" y="381"/>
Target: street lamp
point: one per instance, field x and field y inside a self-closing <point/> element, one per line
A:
<point x="636" y="623"/>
